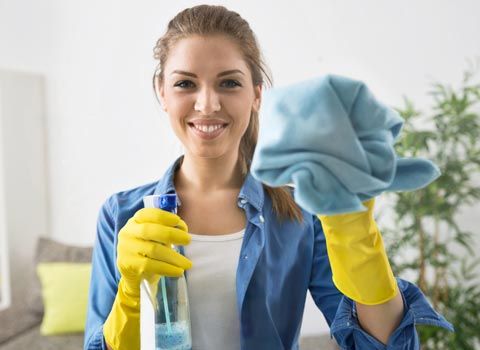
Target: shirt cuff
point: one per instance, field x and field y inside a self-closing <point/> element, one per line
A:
<point x="96" y="341"/>
<point x="417" y="310"/>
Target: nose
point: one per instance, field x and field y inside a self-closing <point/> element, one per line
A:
<point x="207" y="101"/>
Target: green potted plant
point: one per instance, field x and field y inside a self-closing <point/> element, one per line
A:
<point x="427" y="242"/>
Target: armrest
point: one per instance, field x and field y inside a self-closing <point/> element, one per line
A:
<point x="15" y="320"/>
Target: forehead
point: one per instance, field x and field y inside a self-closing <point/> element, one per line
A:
<point x="210" y="54"/>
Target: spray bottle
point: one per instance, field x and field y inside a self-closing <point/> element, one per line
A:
<point x="167" y="297"/>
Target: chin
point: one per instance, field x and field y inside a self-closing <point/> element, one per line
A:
<point x="206" y="154"/>
<point x="209" y="153"/>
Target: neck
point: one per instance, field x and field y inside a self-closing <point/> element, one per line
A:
<point x="207" y="175"/>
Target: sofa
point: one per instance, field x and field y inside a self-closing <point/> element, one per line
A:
<point x="20" y="330"/>
<point x="20" y="323"/>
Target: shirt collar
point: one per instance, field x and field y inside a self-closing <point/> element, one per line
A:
<point x="251" y="190"/>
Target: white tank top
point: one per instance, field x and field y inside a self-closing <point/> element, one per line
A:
<point x="212" y="290"/>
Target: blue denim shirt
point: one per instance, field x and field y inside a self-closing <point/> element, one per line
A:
<point x="278" y="263"/>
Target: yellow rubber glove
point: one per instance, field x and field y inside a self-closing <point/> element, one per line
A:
<point x="143" y="252"/>
<point x="360" y="265"/>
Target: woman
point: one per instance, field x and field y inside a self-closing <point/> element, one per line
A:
<point x="252" y="252"/>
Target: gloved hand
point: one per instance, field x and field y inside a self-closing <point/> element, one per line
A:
<point x="360" y="265"/>
<point x="143" y="252"/>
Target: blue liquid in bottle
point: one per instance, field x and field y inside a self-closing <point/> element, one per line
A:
<point x="172" y="314"/>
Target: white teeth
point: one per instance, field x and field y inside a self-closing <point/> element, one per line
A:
<point x="209" y="128"/>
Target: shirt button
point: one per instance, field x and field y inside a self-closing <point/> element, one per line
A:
<point x="245" y="256"/>
<point x="243" y="201"/>
<point x="262" y="219"/>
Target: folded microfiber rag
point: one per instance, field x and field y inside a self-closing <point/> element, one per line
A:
<point x="334" y="142"/>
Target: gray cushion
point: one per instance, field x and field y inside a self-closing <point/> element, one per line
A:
<point x="32" y="339"/>
<point x="16" y="320"/>
<point x="49" y="250"/>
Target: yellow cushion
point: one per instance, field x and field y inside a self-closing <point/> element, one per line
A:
<point x="65" y="296"/>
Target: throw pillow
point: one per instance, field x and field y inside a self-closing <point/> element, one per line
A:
<point x="49" y="250"/>
<point x="65" y="296"/>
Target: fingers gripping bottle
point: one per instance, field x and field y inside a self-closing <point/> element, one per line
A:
<point x="167" y="297"/>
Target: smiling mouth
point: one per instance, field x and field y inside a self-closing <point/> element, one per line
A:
<point x="206" y="125"/>
<point x="208" y="132"/>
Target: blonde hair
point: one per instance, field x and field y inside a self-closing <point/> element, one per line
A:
<point x="207" y="20"/>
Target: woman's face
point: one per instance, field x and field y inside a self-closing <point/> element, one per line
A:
<point x="208" y="94"/>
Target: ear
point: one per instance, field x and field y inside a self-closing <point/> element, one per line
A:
<point x="160" y="91"/>
<point x="257" y="89"/>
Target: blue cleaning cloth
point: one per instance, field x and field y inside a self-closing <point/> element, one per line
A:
<point x="333" y="141"/>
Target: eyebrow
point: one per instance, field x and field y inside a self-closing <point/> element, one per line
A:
<point x="227" y="72"/>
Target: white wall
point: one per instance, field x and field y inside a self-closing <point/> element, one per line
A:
<point x="23" y="174"/>
<point x="105" y="131"/>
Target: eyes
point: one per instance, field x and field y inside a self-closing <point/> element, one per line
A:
<point x="185" y="84"/>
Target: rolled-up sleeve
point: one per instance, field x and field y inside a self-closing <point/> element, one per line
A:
<point x="103" y="283"/>
<point x="341" y="316"/>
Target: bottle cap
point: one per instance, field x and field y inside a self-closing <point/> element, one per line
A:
<point x="166" y="201"/>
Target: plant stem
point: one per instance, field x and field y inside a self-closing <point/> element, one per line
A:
<point x="436" y="267"/>
<point x="421" y="247"/>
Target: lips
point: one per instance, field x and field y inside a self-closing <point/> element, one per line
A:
<point x="205" y="134"/>
<point x="207" y="122"/>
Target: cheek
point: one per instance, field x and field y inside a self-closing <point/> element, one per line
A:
<point x="175" y="99"/>
<point x="242" y="112"/>
<point x="238" y="105"/>
<point x="179" y="105"/>
<point x="175" y="123"/>
<point x="178" y="110"/>
<point x="245" y="120"/>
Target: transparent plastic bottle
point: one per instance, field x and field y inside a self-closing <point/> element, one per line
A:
<point x="169" y="296"/>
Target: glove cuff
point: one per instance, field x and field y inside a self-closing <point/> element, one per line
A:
<point x="368" y="280"/>
<point x="360" y="266"/>
<point x="121" y="329"/>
